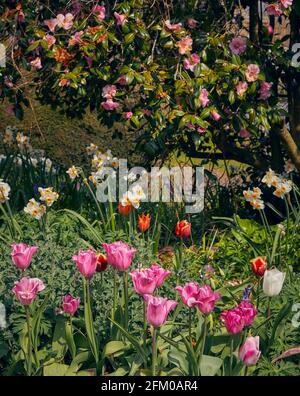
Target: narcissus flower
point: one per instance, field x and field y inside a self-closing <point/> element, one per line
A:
<point x="144" y="222"/>
<point x="22" y="254"/>
<point x="259" y="265"/>
<point x="35" y="209"/>
<point x="4" y="191"/>
<point x="158" y="309"/>
<point x="101" y="262"/>
<point x="70" y="304"/>
<point x="48" y="196"/>
<point x="249" y="352"/>
<point x="27" y="289"/>
<point x="183" y="229"/>
<point x="73" y="172"/>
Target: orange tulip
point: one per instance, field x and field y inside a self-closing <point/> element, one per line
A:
<point x="101" y="262"/>
<point x="144" y="222"/>
<point x="259" y="266"/>
<point x="183" y="229"/>
<point x="125" y="209"/>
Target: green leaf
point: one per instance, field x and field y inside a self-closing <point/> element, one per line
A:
<point x="210" y="365"/>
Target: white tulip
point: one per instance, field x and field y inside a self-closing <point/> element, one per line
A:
<point x="273" y="282"/>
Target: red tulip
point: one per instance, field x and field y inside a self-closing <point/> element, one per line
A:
<point x="125" y="209"/>
<point x="144" y="222"/>
<point x="101" y="263"/>
<point x="183" y="229"/>
<point x="259" y="266"/>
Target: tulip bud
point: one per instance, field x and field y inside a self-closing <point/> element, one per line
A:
<point x="273" y="282"/>
<point x="259" y="266"/>
<point x="183" y="229"/>
<point x="249" y="352"/>
<point x="144" y="222"/>
<point x="125" y="209"/>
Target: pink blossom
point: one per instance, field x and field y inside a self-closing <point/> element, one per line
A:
<point x="286" y="3"/>
<point x="36" y="63"/>
<point x="146" y="280"/>
<point x="119" y="255"/>
<point x="26" y="289"/>
<point x="204" y="97"/>
<point x="51" y="40"/>
<point x="190" y="126"/>
<point x="192" y="62"/>
<point x="270" y="30"/>
<point x="201" y="130"/>
<point x="65" y="21"/>
<point x="189" y="293"/>
<point x="249" y="352"/>
<point x="76" y="38"/>
<point x="234" y="320"/>
<point x="128" y="115"/>
<point x="248" y="311"/>
<point x="158" y="309"/>
<point x="252" y="72"/>
<point x="192" y="23"/>
<point x="176" y="27"/>
<point x="70" y="304"/>
<point x="86" y="262"/>
<point x="241" y="88"/>
<point x="122" y="80"/>
<point x="109" y="105"/>
<point x="120" y="19"/>
<point x="51" y="24"/>
<point x="238" y="45"/>
<point x="206" y="299"/>
<point x="265" y="90"/>
<point x="215" y="115"/>
<point x="22" y="254"/>
<point x="244" y="133"/>
<point x="273" y="9"/>
<point x="109" y="91"/>
<point x="100" y="12"/>
<point x="185" y="45"/>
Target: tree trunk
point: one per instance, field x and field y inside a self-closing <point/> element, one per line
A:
<point x="254" y="21"/>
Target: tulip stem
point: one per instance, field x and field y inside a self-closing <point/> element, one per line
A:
<point x="269" y="307"/>
<point x="231" y="356"/>
<point x="89" y="323"/>
<point x="125" y="282"/>
<point x="203" y="337"/>
<point x="29" y="358"/>
<point x="115" y="295"/>
<point x="257" y="294"/>
<point x="145" y="323"/>
<point x="190" y="326"/>
<point x="154" y="351"/>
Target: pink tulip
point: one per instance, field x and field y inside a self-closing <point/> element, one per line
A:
<point x="120" y="19"/>
<point x="22" y="254"/>
<point x="26" y="289"/>
<point x="238" y="45"/>
<point x="70" y="304"/>
<point x="119" y="255"/>
<point x="146" y="280"/>
<point x="206" y="299"/>
<point x="249" y="352"/>
<point x="189" y="293"/>
<point x="86" y="262"/>
<point x="233" y="320"/>
<point x="204" y="97"/>
<point x="158" y="309"/>
<point x="248" y="311"/>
